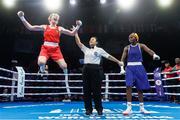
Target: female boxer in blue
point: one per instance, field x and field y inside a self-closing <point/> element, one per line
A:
<point x="135" y="71"/>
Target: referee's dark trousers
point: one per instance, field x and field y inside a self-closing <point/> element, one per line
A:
<point x="92" y="78"/>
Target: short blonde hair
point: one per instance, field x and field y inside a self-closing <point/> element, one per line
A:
<point x="52" y="15"/>
<point x="135" y="35"/>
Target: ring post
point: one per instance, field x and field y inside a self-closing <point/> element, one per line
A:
<point x="106" y="87"/>
<point x="158" y="82"/>
<point x="21" y="82"/>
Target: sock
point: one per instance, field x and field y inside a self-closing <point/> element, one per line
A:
<point x="141" y="104"/>
<point x="42" y="68"/>
<point x="65" y="71"/>
<point x="129" y="105"/>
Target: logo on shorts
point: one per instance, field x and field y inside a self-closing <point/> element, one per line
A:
<point x="158" y="82"/>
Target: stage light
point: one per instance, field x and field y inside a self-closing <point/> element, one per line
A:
<point x="102" y="1"/>
<point x="53" y="4"/>
<point x="165" y="3"/>
<point x="72" y="2"/>
<point x="126" y="4"/>
<point x="9" y="3"/>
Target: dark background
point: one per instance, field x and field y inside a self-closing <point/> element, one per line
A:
<point x="158" y="28"/>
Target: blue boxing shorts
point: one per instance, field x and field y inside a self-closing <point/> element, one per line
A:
<point x="136" y="76"/>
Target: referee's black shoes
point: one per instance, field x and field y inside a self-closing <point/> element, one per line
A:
<point x="99" y="112"/>
<point x="88" y="112"/>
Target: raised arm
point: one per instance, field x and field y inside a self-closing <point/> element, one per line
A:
<point x="28" y="25"/>
<point x="150" y="52"/>
<point x="78" y="41"/>
<point x="71" y="32"/>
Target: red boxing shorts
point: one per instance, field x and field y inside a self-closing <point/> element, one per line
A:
<point x="51" y="52"/>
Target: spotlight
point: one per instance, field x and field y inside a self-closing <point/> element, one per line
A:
<point x="53" y="4"/>
<point x="165" y="3"/>
<point x="126" y="4"/>
<point x="9" y="3"/>
<point x="72" y="2"/>
<point x="102" y="1"/>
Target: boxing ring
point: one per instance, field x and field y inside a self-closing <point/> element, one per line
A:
<point x="38" y="97"/>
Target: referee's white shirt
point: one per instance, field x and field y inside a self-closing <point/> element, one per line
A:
<point x="93" y="55"/>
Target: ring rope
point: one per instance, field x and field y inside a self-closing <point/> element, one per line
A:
<point x="28" y="80"/>
<point x="7" y="94"/>
<point x="45" y="87"/>
<point x="6" y="78"/>
<point x="78" y="74"/>
<point x="53" y="74"/>
<point x="171" y="78"/>
<point x="47" y="81"/>
<point x="64" y="93"/>
<point x="6" y="86"/>
<point x="6" y="70"/>
<point x="170" y="72"/>
<point x="114" y="87"/>
<point x="76" y="93"/>
<point x="178" y="94"/>
<point x="82" y="94"/>
<point x="167" y="86"/>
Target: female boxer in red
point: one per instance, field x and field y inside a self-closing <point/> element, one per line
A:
<point x="50" y="47"/>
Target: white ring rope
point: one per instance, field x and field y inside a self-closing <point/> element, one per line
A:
<point x="172" y="93"/>
<point x="2" y="69"/>
<point x="53" y="74"/>
<point x="171" y="86"/>
<point x="79" y="74"/>
<point x="76" y="93"/>
<point x="48" y="81"/>
<point x="171" y="78"/>
<point x="74" y="87"/>
<point x="28" y="80"/>
<point x="46" y="87"/>
<point x="6" y="78"/>
<point x="63" y="93"/>
<point x="6" y="86"/>
<point x="7" y="94"/>
<point x="170" y="72"/>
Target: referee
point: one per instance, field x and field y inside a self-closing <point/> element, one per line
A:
<point x="92" y="76"/>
